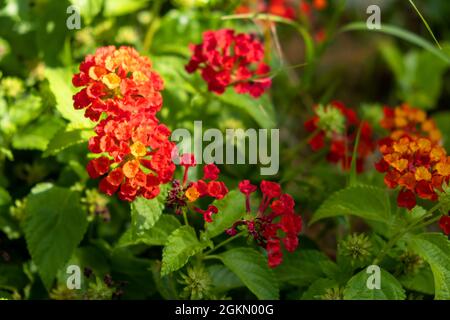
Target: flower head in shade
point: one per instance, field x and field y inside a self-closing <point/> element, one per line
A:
<point x="335" y="128"/>
<point x="275" y="223"/>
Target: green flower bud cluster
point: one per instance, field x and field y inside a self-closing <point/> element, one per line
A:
<point x="331" y="120"/>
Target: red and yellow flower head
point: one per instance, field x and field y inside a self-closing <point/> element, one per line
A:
<point x="120" y="87"/>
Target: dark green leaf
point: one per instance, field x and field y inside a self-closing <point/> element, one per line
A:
<point x="251" y="267"/>
<point x="54" y="227"/>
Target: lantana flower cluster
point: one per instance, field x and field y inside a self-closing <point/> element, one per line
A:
<point x="122" y="94"/>
<point x="335" y="128"/>
<point x="288" y="9"/>
<point x="274" y="223"/>
<point x="411" y="121"/>
<point x="184" y="194"/>
<point x="226" y="59"/>
<point x="412" y="157"/>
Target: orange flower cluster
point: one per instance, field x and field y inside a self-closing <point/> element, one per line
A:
<point x="412" y="157"/>
<point x="122" y="93"/>
<point x="407" y="120"/>
<point x="289" y="9"/>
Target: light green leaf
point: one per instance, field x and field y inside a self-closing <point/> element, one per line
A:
<point x="180" y="246"/>
<point x="251" y="267"/>
<point x="64" y="139"/>
<point x="156" y="236"/>
<point x="145" y="213"/>
<point x="435" y="249"/>
<point x="231" y="209"/>
<point x="37" y="135"/>
<point x="357" y="289"/>
<point x="60" y="81"/>
<point x="88" y="8"/>
<point x="115" y="8"/>
<point x="367" y="202"/>
<point x="54" y="227"/>
<point x="261" y="110"/>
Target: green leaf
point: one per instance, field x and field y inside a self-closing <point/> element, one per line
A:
<point x="251" y="267"/>
<point x="402" y="34"/>
<point x="231" y="209"/>
<point x="54" y="227"/>
<point x="115" y="8"/>
<point x="318" y="288"/>
<point x="88" y="8"/>
<point x="156" y="236"/>
<point x="223" y="279"/>
<point x="303" y="267"/>
<point x="135" y="271"/>
<point x="145" y="213"/>
<point x="420" y="281"/>
<point x="61" y="85"/>
<point x="435" y="249"/>
<point x="180" y="246"/>
<point x="37" y="135"/>
<point x="65" y="139"/>
<point x="367" y="202"/>
<point x="12" y="277"/>
<point x="357" y="289"/>
<point x="261" y="110"/>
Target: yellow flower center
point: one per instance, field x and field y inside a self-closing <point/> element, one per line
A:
<point x="192" y="194"/>
<point x="138" y="149"/>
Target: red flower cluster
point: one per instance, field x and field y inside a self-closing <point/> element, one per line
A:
<point x="228" y="59"/>
<point x="415" y="164"/>
<point x="411" y="121"/>
<point x="444" y="223"/>
<point x="283" y="8"/>
<point x="122" y="89"/>
<point x="412" y="156"/>
<point x="280" y="225"/>
<point x="341" y="145"/>
<point x="208" y="186"/>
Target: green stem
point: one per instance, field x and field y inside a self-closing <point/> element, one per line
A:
<point x="186" y="221"/>
<point x="225" y="242"/>
<point x="153" y="25"/>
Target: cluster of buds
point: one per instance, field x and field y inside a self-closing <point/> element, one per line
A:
<point x="186" y="193"/>
<point x="122" y="93"/>
<point x="335" y="127"/>
<point x="274" y="223"/>
<point x="226" y="59"/>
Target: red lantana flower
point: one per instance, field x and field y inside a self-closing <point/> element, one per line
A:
<point x="444" y="224"/>
<point x="121" y="88"/>
<point x="405" y="120"/>
<point x="275" y="222"/>
<point x="416" y="165"/>
<point x="340" y="143"/>
<point x="189" y="192"/>
<point x="288" y="9"/>
<point x="226" y="59"/>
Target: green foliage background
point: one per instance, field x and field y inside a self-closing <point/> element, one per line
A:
<point x="51" y="215"/>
